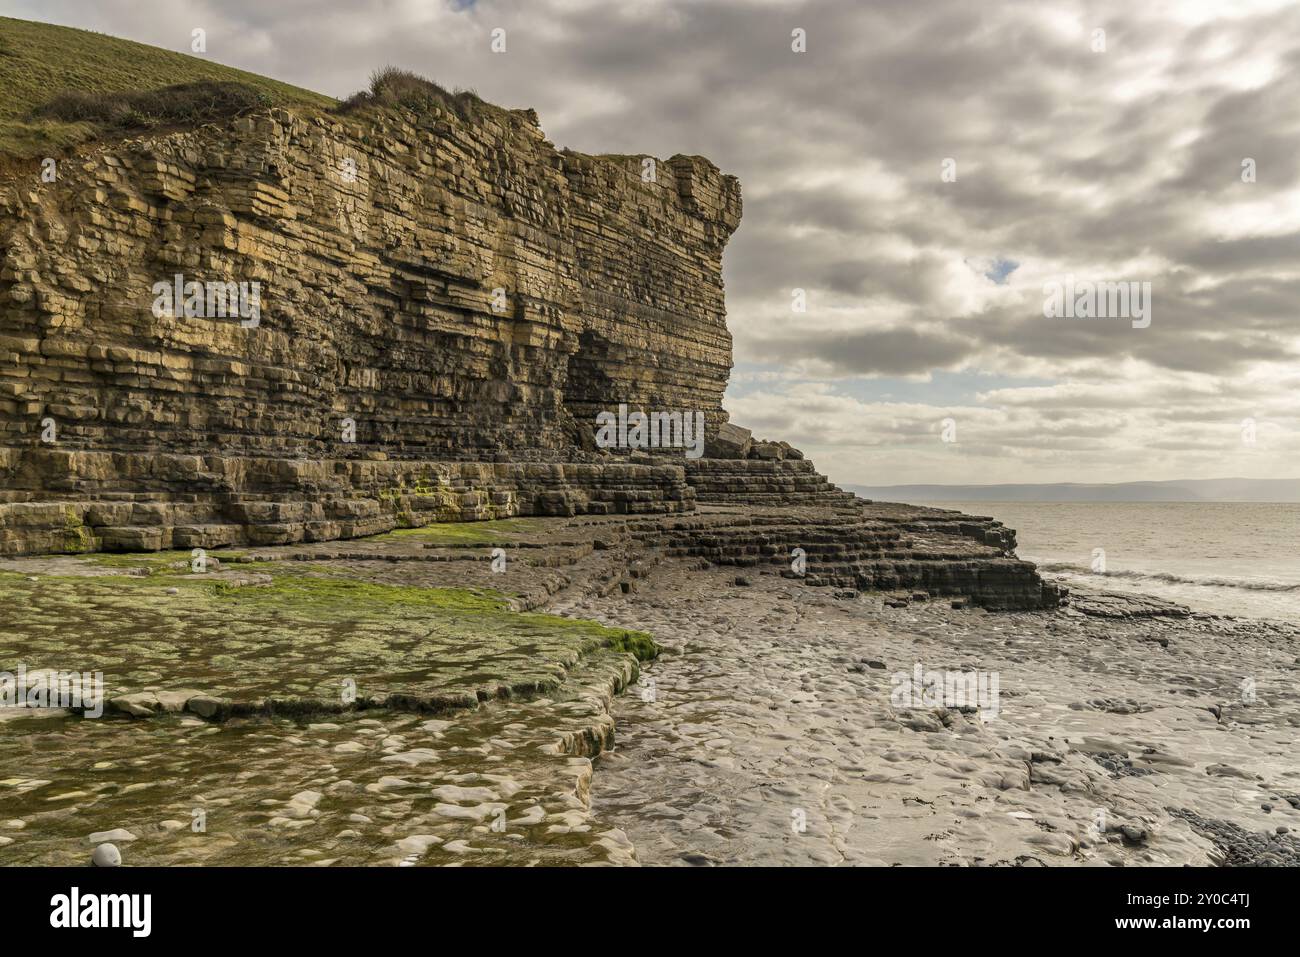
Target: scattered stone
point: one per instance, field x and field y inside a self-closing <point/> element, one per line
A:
<point x="413" y="757"/>
<point x="136" y="705"/>
<point x="1119" y="764"/>
<point x="1242" y="848"/>
<point x="117" y="834"/>
<point x="696" y="859"/>
<point x="452" y="792"/>
<point x="1228" y="771"/>
<point x="106" y="855"/>
<point x="1133" y="834"/>
<point x="1114" y="705"/>
<point x="208" y="706"/>
<point x="301" y="806"/>
<point x="416" y="844"/>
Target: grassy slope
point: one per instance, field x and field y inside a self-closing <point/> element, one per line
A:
<point x="39" y="60"/>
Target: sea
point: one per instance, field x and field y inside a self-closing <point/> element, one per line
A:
<point x="1228" y="558"/>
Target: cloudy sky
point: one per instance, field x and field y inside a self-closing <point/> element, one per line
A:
<point x="1115" y="156"/>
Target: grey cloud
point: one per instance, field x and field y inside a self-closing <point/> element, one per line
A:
<point x="1065" y="156"/>
<point x="868" y="352"/>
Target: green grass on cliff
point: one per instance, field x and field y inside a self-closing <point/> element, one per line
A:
<point x="60" y="86"/>
<point x="392" y="86"/>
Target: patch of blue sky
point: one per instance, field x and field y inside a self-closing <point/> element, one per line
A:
<point x="1001" y="269"/>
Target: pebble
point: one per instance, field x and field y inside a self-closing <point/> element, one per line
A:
<point x="456" y="812"/>
<point x="412" y="757"/>
<point x="117" y="834"/>
<point x="302" y="805"/>
<point x="454" y="793"/>
<point x="106" y="855"/>
<point x="418" y="843"/>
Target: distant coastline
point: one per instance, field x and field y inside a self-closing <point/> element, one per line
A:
<point x="1178" y="490"/>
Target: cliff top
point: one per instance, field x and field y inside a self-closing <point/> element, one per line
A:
<point x="61" y="87"/>
<point x="40" y="61"/>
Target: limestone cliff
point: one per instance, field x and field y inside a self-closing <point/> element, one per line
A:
<point x="456" y="288"/>
<point x="441" y="304"/>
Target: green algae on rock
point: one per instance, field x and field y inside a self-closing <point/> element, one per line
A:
<point x="509" y="783"/>
<point x="466" y="533"/>
<point x="300" y="640"/>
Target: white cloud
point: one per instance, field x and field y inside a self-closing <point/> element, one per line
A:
<point x="1117" y="165"/>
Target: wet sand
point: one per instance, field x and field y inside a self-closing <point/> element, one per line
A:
<point x="770" y="730"/>
<point x="766" y="734"/>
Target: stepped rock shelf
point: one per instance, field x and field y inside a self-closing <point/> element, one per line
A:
<point x="445" y="303"/>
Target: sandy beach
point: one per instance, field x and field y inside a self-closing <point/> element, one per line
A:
<point x="780" y="723"/>
<point x="1144" y="739"/>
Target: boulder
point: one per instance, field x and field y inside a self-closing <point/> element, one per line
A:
<point x="730" y="442"/>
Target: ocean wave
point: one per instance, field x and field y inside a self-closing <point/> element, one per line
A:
<point x="1168" y="578"/>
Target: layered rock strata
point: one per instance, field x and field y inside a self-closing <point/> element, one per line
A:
<point x="453" y="288"/>
<point x="759" y="482"/>
<point x="912" y="551"/>
<point x="400" y="319"/>
<point x="98" y="501"/>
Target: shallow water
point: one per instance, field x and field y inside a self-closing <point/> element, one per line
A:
<point x="1229" y="558"/>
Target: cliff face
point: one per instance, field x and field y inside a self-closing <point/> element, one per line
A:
<point x="419" y="320"/>
<point x="453" y="288"/>
<point x="420" y="317"/>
